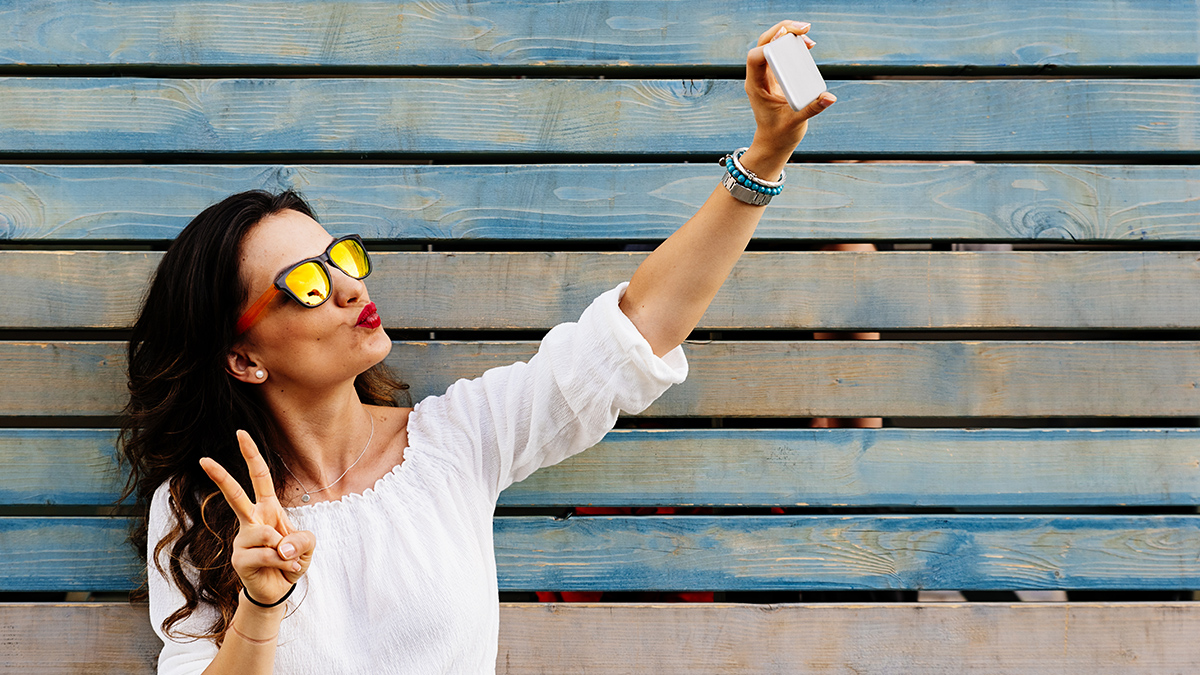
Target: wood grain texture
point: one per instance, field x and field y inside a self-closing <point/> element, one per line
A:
<point x="810" y="639"/>
<point x="67" y="554"/>
<point x="418" y="115"/>
<point x="751" y="467"/>
<point x="885" y="467"/>
<point x="618" y="202"/>
<point x="617" y="639"/>
<point x="591" y="32"/>
<point x="788" y="290"/>
<point x="759" y="379"/>
<point x="825" y="552"/>
<point x="68" y="639"/>
<point x="1143" y="638"/>
<point x="953" y="552"/>
<point x="59" y="466"/>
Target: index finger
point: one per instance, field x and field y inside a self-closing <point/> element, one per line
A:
<point x="234" y="494"/>
<point x="260" y="474"/>
<point x="797" y="27"/>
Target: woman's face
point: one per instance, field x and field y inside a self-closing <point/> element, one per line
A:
<point x="295" y="346"/>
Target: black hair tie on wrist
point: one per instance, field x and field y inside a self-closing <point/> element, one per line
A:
<point x="274" y="604"/>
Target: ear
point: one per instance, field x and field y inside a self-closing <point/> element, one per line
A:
<point x="242" y="366"/>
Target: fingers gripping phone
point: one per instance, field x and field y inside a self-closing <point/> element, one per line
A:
<point x="795" y="70"/>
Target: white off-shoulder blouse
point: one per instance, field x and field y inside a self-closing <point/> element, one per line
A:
<point x="403" y="579"/>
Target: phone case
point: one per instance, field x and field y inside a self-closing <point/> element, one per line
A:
<point x="795" y="70"/>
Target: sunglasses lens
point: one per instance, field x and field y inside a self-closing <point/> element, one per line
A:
<point x="349" y="255"/>
<point x="309" y="282"/>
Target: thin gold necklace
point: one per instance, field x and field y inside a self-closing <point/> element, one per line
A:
<point x="308" y="493"/>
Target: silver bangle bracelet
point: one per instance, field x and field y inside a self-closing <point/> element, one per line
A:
<point x="753" y="176"/>
<point x="743" y="193"/>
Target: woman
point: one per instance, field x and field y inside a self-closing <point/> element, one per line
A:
<point x="259" y="321"/>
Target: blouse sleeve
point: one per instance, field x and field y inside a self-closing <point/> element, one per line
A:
<point x="179" y="656"/>
<point x="512" y="420"/>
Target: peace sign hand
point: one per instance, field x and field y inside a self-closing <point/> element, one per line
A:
<point x="269" y="555"/>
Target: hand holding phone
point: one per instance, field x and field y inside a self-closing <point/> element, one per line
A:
<point x="795" y="70"/>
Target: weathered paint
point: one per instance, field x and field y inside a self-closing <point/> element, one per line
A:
<point x="751" y="467"/>
<point x="1139" y="638"/>
<point x="827" y="378"/>
<point x="635" y="117"/>
<point x="789" y="290"/>
<point x="724" y="552"/>
<point x="618" y="202"/>
<point x="591" y="32"/>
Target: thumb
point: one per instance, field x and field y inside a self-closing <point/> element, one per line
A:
<point x="823" y="101"/>
<point x="297" y="546"/>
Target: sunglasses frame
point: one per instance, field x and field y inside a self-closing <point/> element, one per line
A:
<point x="324" y="260"/>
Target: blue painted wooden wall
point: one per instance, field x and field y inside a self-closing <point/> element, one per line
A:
<point x="1041" y="403"/>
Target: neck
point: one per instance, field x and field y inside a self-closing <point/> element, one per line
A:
<point x="324" y="432"/>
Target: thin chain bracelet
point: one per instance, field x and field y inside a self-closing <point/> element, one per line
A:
<point x="251" y="640"/>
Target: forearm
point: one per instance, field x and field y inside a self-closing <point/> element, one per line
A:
<point x="249" y="646"/>
<point x="674" y="286"/>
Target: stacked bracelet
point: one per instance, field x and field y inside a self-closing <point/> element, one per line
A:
<point x="744" y="185"/>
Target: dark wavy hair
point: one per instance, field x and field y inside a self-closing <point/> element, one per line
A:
<point x="183" y="405"/>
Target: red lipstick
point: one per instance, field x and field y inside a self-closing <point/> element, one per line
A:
<point x="369" y="317"/>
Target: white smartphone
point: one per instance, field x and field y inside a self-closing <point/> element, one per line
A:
<point x="795" y="70"/>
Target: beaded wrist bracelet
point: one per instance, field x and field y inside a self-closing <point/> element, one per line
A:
<point x="744" y="185"/>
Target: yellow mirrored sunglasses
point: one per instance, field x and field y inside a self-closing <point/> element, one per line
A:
<point x="307" y="282"/>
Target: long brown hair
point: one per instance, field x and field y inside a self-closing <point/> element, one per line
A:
<point x="184" y="406"/>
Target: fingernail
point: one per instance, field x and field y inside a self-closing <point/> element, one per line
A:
<point x="781" y="31"/>
<point x="295" y="567"/>
<point x="800" y="24"/>
<point x="287" y="550"/>
<point x="827" y="101"/>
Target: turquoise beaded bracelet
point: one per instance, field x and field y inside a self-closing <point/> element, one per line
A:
<point x="744" y="185"/>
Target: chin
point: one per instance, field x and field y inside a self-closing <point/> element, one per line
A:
<point x="379" y="346"/>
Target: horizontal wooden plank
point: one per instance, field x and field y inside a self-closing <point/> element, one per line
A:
<point x="63" y="639"/>
<point x="618" y="202"/>
<point x="931" y="638"/>
<point x="67" y="554"/>
<point x="590" y="32"/>
<point x="760" y="379"/>
<point x="805" y="290"/>
<point x="880" y="467"/>
<point x="418" y="115"/>
<point x="1143" y="638"/>
<point x="751" y="467"/>
<point x="725" y="552"/>
<point x="815" y="552"/>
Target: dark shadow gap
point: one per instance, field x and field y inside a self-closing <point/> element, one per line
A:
<point x="610" y="71"/>
<point x="171" y="157"/>
<point x="59" y="422"/>
<point x="642" y="244"/>
<point x="703" y="335"/>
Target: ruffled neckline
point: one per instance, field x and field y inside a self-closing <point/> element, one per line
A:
<point x="349" y="500"/>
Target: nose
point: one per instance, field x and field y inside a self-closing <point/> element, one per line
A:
<point x="346" y="289"/>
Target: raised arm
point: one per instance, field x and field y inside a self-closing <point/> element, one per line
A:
<point x="673" y="287"/>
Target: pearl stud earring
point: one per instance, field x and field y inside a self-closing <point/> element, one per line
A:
<point x="259" y="374"/>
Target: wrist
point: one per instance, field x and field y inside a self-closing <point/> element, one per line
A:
<point x="266" y="617"/>
<point x="764" y="161"/>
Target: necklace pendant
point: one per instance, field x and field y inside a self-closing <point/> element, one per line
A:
<point x="305" y="499"/>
